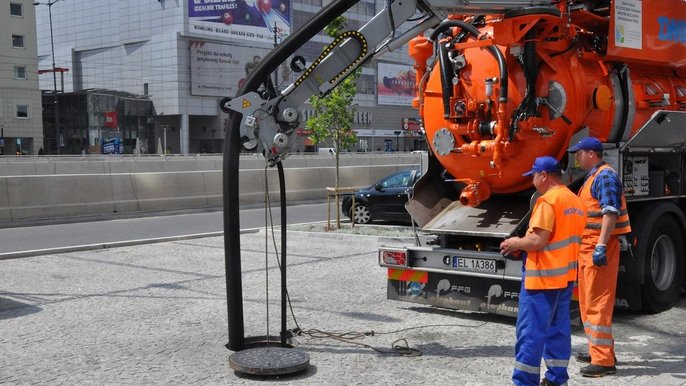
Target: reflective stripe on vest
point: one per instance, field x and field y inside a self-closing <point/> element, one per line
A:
<point x="594" y="217"/>
<point x="551" y="272"/>
<point x="563" y="243"/>
<point x="600" y="214"/>
<point x="554" y="266"/>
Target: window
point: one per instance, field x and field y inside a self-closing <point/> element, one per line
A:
<point x="16" y="9"/>
<point x="398" y="180"/>
<point x="18" y="41"/>
<point x="366" y="84"/>
<point x="22" y="111"/>
<point x="19" y="72"/>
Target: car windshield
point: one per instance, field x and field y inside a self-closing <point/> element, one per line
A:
<point x="399" y="180"/>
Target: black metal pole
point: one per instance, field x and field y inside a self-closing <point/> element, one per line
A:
<point x="54" y="82"/>
<point x="232" y="245"/>
<point x="276" y="73"/>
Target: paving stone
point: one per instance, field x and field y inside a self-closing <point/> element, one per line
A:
<point x="156" y="314"/>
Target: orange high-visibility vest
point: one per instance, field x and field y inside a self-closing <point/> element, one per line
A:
<point x="594" y="214"/>
<point x="554" y="266"/>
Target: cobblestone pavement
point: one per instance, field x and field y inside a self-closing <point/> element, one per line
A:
<point x="156" y="314"/>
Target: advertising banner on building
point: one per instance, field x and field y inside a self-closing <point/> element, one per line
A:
<point x="111" y="119"/>
<point x="252" y="20"/>
<point x="396" y="84"/>
<point x="220" y="69"/>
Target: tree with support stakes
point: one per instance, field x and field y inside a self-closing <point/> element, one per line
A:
<point x="334" y="112"/>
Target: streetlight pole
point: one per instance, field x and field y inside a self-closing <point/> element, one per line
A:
<point x="276" y="73"/>
<point x="397" y="139"/>
<point x="54" y="74"/>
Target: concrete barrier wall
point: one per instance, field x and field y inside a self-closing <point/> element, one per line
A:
<point x="100" y="164"/>
<point x="116" y="186"/>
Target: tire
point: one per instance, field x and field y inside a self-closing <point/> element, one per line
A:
<point x="663" y="259"/>
<point x="361" y="214"/>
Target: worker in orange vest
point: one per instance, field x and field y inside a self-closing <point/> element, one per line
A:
<point x="551" y="244"/>
<point x="607" y="218"/>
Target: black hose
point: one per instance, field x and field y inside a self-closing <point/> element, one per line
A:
<point x="527" y="107"/>
<point x="447" y="70"/>
<point x="232" y="245"/>
<point x="495" y="51"/>
<point x="284" y="290"/>
<point x="447" y="74"/>
<point x="624" y="84"/>
<point x="463" y="34"/>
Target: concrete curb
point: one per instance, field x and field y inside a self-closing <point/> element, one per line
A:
<point x="114" y="244"/>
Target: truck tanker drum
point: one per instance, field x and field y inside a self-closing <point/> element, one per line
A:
<point x="555" y="88"/>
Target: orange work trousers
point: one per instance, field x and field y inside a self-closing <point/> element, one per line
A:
<point x="597" y="288"/>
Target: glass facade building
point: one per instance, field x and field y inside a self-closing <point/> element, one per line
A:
<point x="186" y="55"/>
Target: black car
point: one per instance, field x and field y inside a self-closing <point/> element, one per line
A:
<point x="384" y="200"/>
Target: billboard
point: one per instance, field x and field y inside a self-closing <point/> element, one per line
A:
<point x="252" y="20"/>
<point x="396" y="84"/>
<point x="220" y="69"/>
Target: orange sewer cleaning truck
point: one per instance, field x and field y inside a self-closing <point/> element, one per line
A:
<point x="500" y="83"/>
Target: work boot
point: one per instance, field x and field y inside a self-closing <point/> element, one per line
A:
<point x="597" y="371"/>
<point x="546" y="382"/>
<point x="586" y="357"/>
<point x="583" y="357"/>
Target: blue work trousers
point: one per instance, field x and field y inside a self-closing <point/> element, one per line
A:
<point x="543" y="330"/>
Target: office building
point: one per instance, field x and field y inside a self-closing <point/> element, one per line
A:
<point x="185" y="55"/>
<point x="21" y="130"/>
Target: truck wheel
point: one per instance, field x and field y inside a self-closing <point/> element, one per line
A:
<point x="664" y="265"/>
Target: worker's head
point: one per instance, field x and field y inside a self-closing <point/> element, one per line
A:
<point x="589" y="152"/>
<point x="546" y="173"/>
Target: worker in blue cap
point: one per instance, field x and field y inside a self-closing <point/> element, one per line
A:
<point x="551" y="243"/>
<point x="603" y="198"/>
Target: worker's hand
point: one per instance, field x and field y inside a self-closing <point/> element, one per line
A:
<point x="508" y="247"/>
<point x="599" y="257"/>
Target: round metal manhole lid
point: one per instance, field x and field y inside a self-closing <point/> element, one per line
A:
<point x="269" y="361"/>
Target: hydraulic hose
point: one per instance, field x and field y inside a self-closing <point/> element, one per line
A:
<point x="284" y="291"/>
<point x="624" y="84"/>
<point x="527" y="107"/>
<point x="446" y="78"/>
<point x="232" y="246"/>
<point x="495" y="51"/>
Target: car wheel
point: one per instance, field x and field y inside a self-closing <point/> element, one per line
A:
<point x="361" y="214"/>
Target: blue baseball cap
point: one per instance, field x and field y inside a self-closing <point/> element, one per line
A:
<point x="544" y="164"/>
<point x="588" y="143"/>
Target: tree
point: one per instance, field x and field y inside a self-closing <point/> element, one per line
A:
<point x="333" y="113"/>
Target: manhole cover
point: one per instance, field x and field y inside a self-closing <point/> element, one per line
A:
<point x="269" y="361"/>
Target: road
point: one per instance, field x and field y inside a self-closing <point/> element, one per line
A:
<point x="141" y="229"/>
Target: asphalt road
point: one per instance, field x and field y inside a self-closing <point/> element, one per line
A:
<point x="142" y="229"/>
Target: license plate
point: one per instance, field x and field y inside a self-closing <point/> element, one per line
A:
<point x="474" y="264"/>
